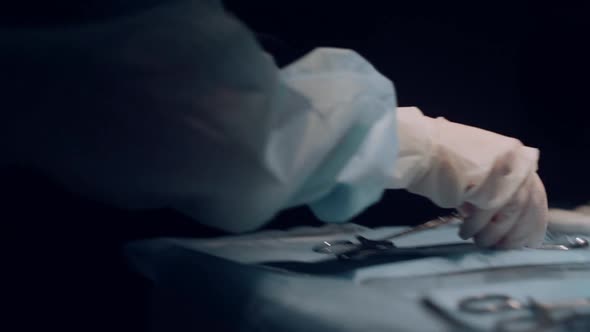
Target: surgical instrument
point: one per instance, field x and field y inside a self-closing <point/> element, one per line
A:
<point x="345" y="248"/>
<point x="542" y="316"/>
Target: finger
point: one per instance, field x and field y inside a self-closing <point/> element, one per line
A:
<point x="466" y="210"/>
<point x="541" y="214"/>
<point x="530" y="228"/>
<point x="511" y="244"/>
<point x="517" y="237"/>
<point x="476" y="222"/>
<point x="495" y="230"/>
<point x="503" y="221"/>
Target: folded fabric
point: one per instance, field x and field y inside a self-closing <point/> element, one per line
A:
<point x="294" y="302"/>
<point x="470" y="262"/>
<point x="483" y="259"/>
<point x="547" y="292"/>
<point x="273" y="246"/>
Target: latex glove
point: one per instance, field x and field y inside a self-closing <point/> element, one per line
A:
<point x="489" y="177"/>
<point x="575" y="222"/>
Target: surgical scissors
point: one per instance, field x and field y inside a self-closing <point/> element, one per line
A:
<point x="346" y="249"/>
<point x="542" y="316"/>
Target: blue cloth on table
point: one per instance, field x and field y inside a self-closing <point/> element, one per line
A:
<point x="223" y="277"/>
<point x="545" y="292"/>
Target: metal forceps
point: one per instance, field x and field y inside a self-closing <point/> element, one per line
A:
<point x="539" y="316"/>
<point x="345" y="249"/>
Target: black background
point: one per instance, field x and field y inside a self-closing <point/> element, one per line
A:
<point x="518" y="68"/>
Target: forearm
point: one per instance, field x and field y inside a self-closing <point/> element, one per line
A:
<point x="450" y="163"/>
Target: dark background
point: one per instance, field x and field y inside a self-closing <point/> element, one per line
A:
<point x="518" y="68"/>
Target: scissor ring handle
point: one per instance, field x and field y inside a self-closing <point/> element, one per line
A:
<point x="488" y="303"/>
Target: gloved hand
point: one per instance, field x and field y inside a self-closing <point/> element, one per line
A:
<point x="490" y="178"/>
